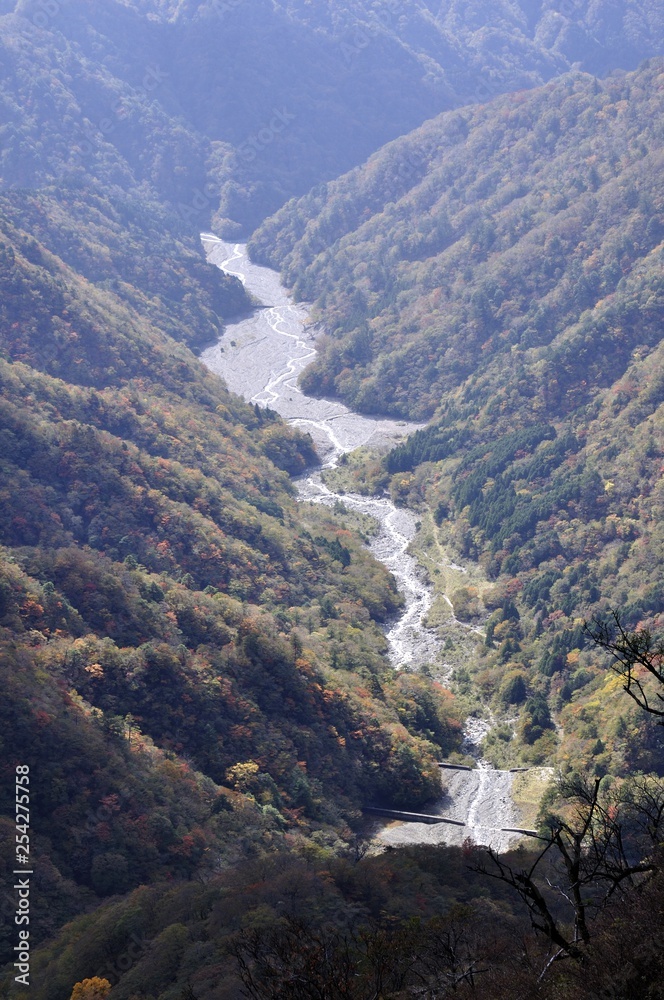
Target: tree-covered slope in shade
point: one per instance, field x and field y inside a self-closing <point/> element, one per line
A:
<point x="307" y="925"/>
<point x="179" y="940"/>
<point x="351" y="75"/>
<point x="500" y="269"/>
<point x="231" y="108"/>
<point x="96" y="169"/>
<point x="125" y="242"/>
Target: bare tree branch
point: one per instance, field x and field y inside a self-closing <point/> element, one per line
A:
<point x="631" y="651"/>
<point x="585" y="860"/>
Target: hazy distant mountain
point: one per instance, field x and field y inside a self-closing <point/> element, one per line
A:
<point x="351" y="76"/>
<point x="272" y="98"/>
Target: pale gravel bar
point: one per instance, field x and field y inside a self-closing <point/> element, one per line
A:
<point x="260" y="357"/>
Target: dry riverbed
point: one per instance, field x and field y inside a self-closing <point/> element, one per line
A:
<point x="260" y="357"/>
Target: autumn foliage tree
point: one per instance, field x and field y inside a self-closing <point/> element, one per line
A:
<point x="91" y="989"/>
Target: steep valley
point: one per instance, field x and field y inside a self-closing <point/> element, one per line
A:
<point x="368" y="515"/>
<point x="260" y="356"/>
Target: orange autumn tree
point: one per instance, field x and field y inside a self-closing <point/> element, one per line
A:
<point x="91" y="989"/>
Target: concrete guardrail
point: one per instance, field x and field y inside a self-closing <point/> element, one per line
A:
<point x="515" y="829"/>
<point x="410" y="817"/>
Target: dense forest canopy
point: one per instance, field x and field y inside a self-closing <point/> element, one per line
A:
<point x="192" y="663"/>
<point x="500" y="271"/>
<point x="485" y="232"/>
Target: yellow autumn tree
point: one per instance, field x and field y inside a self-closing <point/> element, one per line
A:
<point x="91" y="989"/>
<point x="241" y="775"/>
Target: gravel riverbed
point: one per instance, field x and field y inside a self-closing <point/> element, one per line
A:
<point x="260" y="358"/>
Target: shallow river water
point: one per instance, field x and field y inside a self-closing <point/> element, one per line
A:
<point x="260" y="358"/>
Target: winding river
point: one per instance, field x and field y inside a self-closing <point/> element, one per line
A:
<point x="260" y="358"/>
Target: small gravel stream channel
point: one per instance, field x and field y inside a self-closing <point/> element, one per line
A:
<point x="260" y="358"/>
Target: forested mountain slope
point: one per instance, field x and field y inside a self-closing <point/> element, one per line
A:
<point x="192" y="667"/>
<point x="154" y="565"/>
<point x="262" y="100"/>
<point x="106" y="179"/>
<point x="341" y="919"/>
<point x="158" y="587"/>
<point x="487" y="231"/>
<point x="500" y="269"/>
<point x="192" y="664"/>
